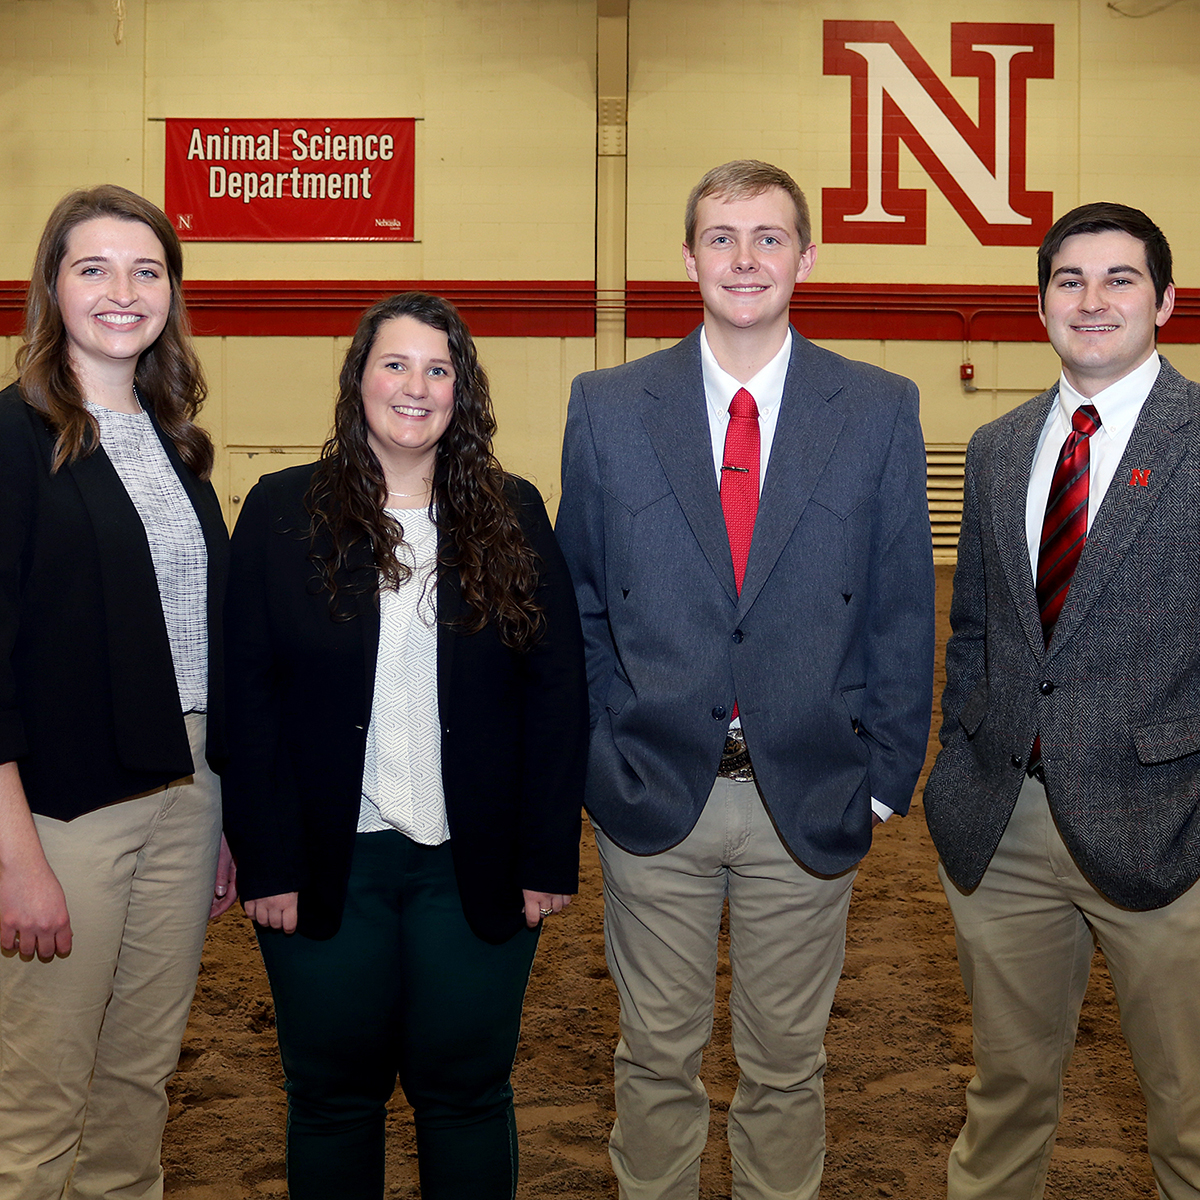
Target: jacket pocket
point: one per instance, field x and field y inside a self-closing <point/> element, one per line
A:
<point x="618" y="696"/>
<point x="1167" y="740"/>
<point x="852" y="698"/>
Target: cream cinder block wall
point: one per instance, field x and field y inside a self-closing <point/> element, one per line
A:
<point x="948" y="413"/>
<point x="737" y="80"/>
<point x="504" y="94"/>
<point x="266" y="422"/>
<point x="733" y="79"/>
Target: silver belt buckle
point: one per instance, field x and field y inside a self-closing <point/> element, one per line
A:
<point x="735" y="759"/>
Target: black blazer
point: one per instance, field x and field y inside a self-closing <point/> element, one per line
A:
<point x="514" y="725"/>
<point x="89" y="707"/>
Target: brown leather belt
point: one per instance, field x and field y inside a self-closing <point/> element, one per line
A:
<point x="735" y="759"/>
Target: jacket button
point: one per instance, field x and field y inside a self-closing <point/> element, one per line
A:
<point x="718" y="712"/>
<point x="1045" y="687"/>
<point x="1017" y="760"/>
<point x="738" y="635"/>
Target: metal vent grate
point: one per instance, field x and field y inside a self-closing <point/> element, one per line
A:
<point x="945" y="464"/>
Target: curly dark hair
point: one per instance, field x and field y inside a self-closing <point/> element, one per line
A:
<point x="473" y="502"/>
<point x="169" y="378"/>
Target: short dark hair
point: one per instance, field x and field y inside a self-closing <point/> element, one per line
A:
<point x="739" y="180"/>
<point x="1096" y="218"/>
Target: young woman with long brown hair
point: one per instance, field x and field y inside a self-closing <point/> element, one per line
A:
<point x="112" y="567"/>
<point x="408" y="725"/>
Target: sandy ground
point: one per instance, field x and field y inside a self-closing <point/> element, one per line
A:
<point x="899" y="1048"/>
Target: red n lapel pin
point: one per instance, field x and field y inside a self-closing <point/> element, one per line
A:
<point x="1140" y="477"/>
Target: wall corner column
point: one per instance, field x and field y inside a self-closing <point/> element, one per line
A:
<point x="612" y="106"/>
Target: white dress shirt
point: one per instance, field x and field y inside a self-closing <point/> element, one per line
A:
<point x="767" y="389"/>
<point x="1119" y="406"/>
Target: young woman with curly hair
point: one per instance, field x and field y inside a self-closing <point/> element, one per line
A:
<point x="409" y="725"/>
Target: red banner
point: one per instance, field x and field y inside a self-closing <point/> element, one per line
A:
<point x="291" y="181"/>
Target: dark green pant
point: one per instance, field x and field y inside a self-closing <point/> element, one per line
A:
<point x="404" y="989"/>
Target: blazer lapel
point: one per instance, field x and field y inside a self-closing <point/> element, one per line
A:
<point x="1011" y="470"/>
<point x="805" y="436"/>
<point x="449" y="609"/>
<point x="676" y="420"/>
<point x="1154" y="444"/>
<point x="366" y="604"/>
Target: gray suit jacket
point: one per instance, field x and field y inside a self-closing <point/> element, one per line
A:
<point x="1115" y="696"/>
<point x="828" y="649"/>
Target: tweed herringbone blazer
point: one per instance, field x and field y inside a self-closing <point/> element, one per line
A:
<point x="1116" y="694"/>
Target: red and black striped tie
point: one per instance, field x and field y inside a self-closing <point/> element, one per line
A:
<point x="1064" y="532"/>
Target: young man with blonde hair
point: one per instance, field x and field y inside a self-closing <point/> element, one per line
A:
<point x="744" y="516"/>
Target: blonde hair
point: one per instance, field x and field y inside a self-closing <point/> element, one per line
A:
<point x="739" y="180"/>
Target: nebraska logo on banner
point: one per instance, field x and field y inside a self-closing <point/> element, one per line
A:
<point x="291" y="181"/>
<point x="979" y="166"/>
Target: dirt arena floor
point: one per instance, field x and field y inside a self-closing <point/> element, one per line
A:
<point x="899" y="1048"/>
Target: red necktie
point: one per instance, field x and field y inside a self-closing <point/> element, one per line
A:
<point x="1064" y="531"/>
<point x="739" y="479"/>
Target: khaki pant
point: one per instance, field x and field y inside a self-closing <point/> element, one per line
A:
<point x="88" y="1042"/>
<point x="662" y="914"/>
<point x="1025" y="940"/>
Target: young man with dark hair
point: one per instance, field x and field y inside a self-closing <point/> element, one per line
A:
<point x="745" y="519"/>
<point x="1065" y="803"/>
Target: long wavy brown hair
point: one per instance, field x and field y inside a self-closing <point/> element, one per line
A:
<point x="169" y="378"/>
<point x="473" y="501"/>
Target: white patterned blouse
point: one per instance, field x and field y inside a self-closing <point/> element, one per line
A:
<point x="402" y="775"/>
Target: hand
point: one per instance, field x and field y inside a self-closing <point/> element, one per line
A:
<point x="542" y="904"/>
<point x="876" y="819"/>
<point x="225" y="887"/>
<point x="274" y="912"/>
<point x="33" y="912"/>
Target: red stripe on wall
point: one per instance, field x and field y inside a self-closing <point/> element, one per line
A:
<point x="331" y="307"/>
<point x="653" y="309"/>
<point x="324" y="308"/>
<point x="896" y="311"/>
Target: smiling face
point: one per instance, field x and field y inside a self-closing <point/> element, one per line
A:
<point x="747" y="259"/>
<point x="1099" y="308"/>
<point x="114" y="294"/>
<point x="407" y="392"/>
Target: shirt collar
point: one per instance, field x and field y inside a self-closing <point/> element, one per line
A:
<point x="1118" y="404"/>
<point x="766" y="387"/>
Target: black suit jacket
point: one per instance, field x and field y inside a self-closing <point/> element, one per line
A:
<point x="89" y="707"/>
<point x="514" y="725"/>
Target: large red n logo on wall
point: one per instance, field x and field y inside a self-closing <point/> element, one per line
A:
<point x="979" y="166"/>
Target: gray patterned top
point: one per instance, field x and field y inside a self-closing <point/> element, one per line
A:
<point x="176" y="542"/>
